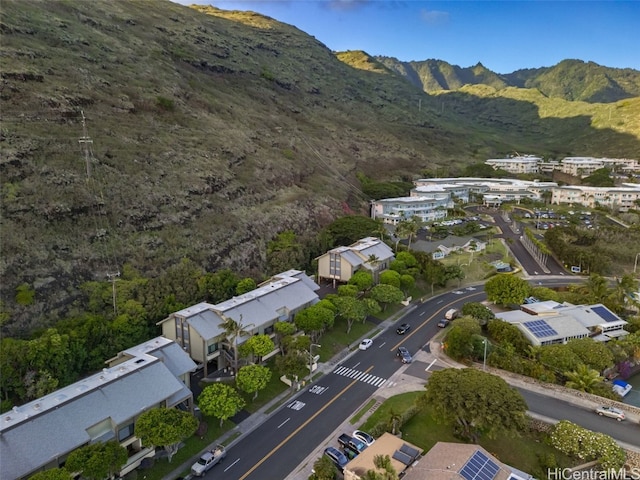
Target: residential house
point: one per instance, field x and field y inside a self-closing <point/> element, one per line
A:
<point x="548" y="323"/>
<point x="461" y="461"/>
<point x="445" y="247"/>
<point x="339" y="264"/>
<point x="41" y="434"/>
<point x="199" y="328"/>
<point x="402" y="455"/>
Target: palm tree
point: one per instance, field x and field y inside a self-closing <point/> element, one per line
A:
<point x="233" y="330"/>
<point x="583" y="378"/>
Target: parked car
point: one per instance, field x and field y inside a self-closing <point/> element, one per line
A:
<point x="404" y="355"/>
<point x="610" y="412"/>
<point x="337" y="457"/>
<point x="402" y="329"/>
<point x="363" y="437"/>
<point x="443" y="323"/>
<point x="347" y="441"/>
<point x="349" y="452"/>
<point x="366" y="343"/>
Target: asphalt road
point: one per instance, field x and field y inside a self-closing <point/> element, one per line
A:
<point x="291" y="433"/>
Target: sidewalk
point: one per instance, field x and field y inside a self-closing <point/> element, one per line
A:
<point x="399" y="382"/>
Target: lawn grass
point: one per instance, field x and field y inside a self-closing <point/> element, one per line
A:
<point x="424" y="430"/>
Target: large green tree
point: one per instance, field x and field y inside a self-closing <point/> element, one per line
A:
<point x="253" y="378"/>
<point x="386" y="294"/>
<point x="478" y="402"/>
<point x="583" y="378"/>
<point x="221" y="401"/>
<point x="505" y="289"/>
<point x="595" y="355"/>
<point x="257" y="346"/>
<point x="166" y="428"/>
<point x="97" y="461"/>
<point x="350" y="309"/>
<point x="314" y="320"/>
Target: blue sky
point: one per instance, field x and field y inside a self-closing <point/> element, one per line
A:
<point x="504" y="36"/>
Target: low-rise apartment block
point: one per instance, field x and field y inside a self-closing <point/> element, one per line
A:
<point x="199" y="329"/>
<point x="41" y="434"/>
<point x="519" y="164"/>
<point x="620" y="199"/>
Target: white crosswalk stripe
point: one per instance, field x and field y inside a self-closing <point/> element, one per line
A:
<point x="360" y="376"/>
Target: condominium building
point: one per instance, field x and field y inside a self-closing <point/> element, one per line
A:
<point x="619" y="199"/>
<point x="519" y="164"/>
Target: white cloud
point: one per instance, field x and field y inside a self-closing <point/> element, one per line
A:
<point x="434" y="17"/>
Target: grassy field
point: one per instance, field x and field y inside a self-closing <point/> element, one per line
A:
<point x="424" y="430"/>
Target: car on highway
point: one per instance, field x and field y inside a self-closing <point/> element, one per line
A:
<point x="337" y="457"/>
<point x="610" y="412"/>
<point x="366" y="343"/>
<point x="363" y="437"/>
<point x="402" y="329"/>
<point x="443" y="323"/>
<point x="404" y="355"/>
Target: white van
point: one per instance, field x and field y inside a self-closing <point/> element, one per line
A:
<point x="452" y="314"/>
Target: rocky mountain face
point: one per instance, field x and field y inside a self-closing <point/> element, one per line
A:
<point x="144" y="132"/>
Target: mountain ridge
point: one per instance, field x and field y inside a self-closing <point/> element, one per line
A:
<point x="212" y="133"/>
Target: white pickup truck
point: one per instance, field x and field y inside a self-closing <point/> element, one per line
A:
<point x="208" y="460"/>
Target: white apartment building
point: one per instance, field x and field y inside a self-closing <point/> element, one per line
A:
<point x="585" y="166"/>
<point x="519" y="164"/>
<point x="493" y="191"/>
<point x="619" y="199"/>
<point x="427" y="207"/>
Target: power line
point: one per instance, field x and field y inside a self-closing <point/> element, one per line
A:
<point x="101" y="232"/>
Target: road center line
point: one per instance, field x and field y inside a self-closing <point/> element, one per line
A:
<point x="297" y="430"/>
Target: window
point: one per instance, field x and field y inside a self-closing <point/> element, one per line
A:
<point x="125" y="432"/>
<point x="212" y="348"/>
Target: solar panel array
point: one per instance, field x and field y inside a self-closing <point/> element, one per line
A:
<point x="604" y="314"/>
<point x="540" y="328"/>
<point x="479" y="467"/>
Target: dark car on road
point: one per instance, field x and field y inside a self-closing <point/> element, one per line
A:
<point x="404" y="355"/>
<point x="402" y="329"/>
<point x="443" y="323"/>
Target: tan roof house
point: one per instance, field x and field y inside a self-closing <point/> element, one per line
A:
<point x="461" y="461"/>
<point x="340" y="263"/>
<point x="402" y="455"/>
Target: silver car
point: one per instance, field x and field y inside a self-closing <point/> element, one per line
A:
<point x="610" y="412"/>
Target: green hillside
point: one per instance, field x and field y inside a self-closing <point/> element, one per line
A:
<point x="211" y="132"/>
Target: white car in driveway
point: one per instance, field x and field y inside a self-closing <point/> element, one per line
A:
<point x="610" y="412"/>
<point x="366" y="343"/>
<point x="364" y="437"/>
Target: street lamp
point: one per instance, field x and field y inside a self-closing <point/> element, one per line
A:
<point x="311" y="358"/>
<point x="484" y="359"/>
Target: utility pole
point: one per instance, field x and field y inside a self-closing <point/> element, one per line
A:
<point x="112" y="278"/>
<point x="86" y="143"/>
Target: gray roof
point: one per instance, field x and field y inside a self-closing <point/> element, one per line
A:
<point x="36" y="433"/>
<point x="286" y="292"/>
<point x="168" y="351"/>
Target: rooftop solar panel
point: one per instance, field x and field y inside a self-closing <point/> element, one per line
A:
<point x="604" y="314"/>
<point x="479" y="467"/>
<point x="540" y="328"/>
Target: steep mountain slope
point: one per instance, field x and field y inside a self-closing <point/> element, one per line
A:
<point x="207" y="133"/>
